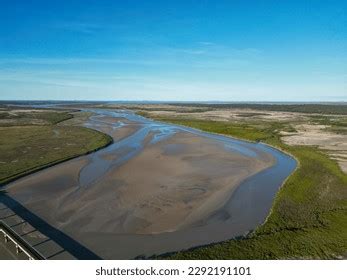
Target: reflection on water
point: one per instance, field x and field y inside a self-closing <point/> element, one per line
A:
<point x="247" y="207"/>
<point x="250" y="203"/>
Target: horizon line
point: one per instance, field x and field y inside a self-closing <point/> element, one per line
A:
<point x="166" y="101"/>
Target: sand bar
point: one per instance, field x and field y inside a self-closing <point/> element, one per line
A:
<point x="158" y="188"/>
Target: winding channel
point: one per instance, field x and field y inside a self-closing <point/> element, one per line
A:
<point x="158" y="188"/>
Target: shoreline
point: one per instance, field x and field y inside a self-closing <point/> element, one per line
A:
<point x="34" y="170"/>
<point x="250" y="141"/>
<point x="206" y="157"/>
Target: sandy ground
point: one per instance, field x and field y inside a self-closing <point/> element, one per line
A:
<point x="123" y="128"/>
<point x="170" y="185"/>
<point x="308" y="133"/>
<point x="167" y="186"/>
<point x="233" y="115"/>
<point x="208" y="113"/>
<point x="334" y="144"/>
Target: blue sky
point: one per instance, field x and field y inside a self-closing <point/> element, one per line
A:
<point x="186" y="50"/>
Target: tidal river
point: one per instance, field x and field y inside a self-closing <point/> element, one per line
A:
<point x="158" y="188"/>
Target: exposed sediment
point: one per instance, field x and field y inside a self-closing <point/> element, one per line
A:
<point x="156" y="184"/>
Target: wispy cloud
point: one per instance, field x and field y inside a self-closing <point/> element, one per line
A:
<point x="206" y="43"/>
<point x="75" y="26"/>
<point x="215" y="50"/>
<point x="77" y="60"/>
<point x="84" y="26"/>
<point x="89" y="85"/>
<point x="200" y="55"/>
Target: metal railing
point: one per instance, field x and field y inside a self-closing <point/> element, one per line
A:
<point x="22" y="246"/>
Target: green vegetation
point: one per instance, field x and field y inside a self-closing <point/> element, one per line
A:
<point x="252" y="130"/>
<point x="27" y="117"/>
<point x="185" y="109"/>
<point x="240" y="130"/>
<point x="335" y="124"/>
<point x="309" y="216"/>
<point x="29" y="148"/>
<point x="338" y="109"/>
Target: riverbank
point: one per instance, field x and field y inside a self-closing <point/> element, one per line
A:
<point x="164" y="186"/>
<point x="33" y="140"/>
<point x="309" y="215"/>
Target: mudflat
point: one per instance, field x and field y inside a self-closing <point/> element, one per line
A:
<point x="154" y="180"/>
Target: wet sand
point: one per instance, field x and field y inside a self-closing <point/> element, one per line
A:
<point x="158" y="188"/>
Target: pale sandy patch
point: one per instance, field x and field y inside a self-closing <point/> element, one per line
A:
<point x="316" y="135"/>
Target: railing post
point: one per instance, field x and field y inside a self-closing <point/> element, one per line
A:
<point x="22" y="246"/>
<point x="18" y="250"/>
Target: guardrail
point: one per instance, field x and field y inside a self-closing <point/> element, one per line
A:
<point x="22" y="246"/>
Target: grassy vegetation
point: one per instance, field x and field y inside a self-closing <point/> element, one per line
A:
<point x="309" y="215"/>
<point x="28" y="148"/>
<point x="252" y="130"/>
<point x="186" y="109"/>
<point x="239" y="130"/>
<point x="13" y="118"/>
<point x="338" y="109"/>
<point x="334" y="124"/>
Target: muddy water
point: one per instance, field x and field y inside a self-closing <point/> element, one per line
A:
<point x="239" y="212"/>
